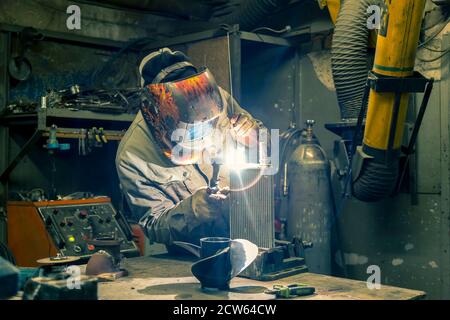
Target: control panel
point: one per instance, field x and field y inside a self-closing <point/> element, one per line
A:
<point x="71" y="227"/>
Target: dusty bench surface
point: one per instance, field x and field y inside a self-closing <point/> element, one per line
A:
<point x="166" y="278"/>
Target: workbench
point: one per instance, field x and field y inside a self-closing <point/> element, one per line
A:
<point x="165" y="278"/>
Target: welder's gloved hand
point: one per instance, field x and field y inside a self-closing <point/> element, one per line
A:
<point x="207" y="206"/>
<point x="244" y="129"/>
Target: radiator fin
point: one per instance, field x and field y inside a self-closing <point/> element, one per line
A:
<point x="252" y="210"/>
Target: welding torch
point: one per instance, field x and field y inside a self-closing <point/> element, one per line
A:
<point x="214" y="182"/>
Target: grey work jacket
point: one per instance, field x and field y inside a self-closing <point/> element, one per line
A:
<point x="159" y="193"/>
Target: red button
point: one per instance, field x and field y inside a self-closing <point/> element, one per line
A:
<point x="90" y="247"/>
<point x="83" y="214"/>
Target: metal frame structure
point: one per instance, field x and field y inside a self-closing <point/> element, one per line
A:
<point x="235" y="38"/>
<point x="42" y="120"/>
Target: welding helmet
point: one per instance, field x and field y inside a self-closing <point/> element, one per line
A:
<point x="182" y="115"/>
<point x="165" y="65"/>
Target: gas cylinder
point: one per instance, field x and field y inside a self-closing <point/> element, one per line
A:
<point x="310" y="202"/>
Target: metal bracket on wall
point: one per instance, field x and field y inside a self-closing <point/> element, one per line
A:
<point x="410" y="149"/>
<point x="398" y="86"/>
<point x="415" y="83"/>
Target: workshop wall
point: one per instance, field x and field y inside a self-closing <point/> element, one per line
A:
<point x="270" y="98"/>
<point x="410" y="243"/>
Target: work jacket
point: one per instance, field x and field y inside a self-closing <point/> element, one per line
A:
<point x="159" y="193"/>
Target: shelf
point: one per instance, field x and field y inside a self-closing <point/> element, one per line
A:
<point x="44" y="118"/>
<point x="33" y="118"/>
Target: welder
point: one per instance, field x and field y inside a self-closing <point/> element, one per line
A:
<point x="161" y="159"/>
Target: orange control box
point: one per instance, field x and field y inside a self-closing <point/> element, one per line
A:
<point x="41" y="229"/>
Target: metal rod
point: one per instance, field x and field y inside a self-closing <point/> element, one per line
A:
<point x="410" y="149"/>
<point x="72" y="133"/>
<point x="393" y="127"/>
<point x="420" y="116"/>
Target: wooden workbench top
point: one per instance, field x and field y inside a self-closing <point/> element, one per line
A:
<point x="165" y="278"/>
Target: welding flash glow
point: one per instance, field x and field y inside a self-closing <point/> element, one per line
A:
<point x="235" y="158"/>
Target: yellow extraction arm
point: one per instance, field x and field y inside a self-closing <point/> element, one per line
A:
<point x="395" y="55"/>
<point x="376" y="173"/>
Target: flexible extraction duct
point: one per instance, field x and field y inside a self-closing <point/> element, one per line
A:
<point x="252" y="12"/>
<point x="395" y="55"/>
<point x="349" y="56"/>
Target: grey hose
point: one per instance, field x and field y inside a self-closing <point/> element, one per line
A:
<point x="252" y="12"/>
<point x="349" y="58"/>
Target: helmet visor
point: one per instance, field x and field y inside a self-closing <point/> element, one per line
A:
<point x="196" y="135"/>
<point x="183" y="112"/>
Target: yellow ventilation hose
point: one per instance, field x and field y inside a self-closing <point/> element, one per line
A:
<point x="395" y="55"/>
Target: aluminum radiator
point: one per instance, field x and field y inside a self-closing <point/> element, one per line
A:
<point x="252" y="210"/>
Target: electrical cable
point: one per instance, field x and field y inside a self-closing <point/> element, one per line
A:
<point x="432" y="26"/>
<point x="436" y="34"/>
<point x="285" y="29"/>
<point x="444" y="52"/>
<point x="435" y="58"/>
<point x="434" y="50"/>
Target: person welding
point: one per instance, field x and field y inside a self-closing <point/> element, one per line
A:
<point x="160" y="160"/>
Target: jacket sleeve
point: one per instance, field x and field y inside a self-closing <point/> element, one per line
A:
<point x="156" y="204"/>
<point x="162" y="220"/>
